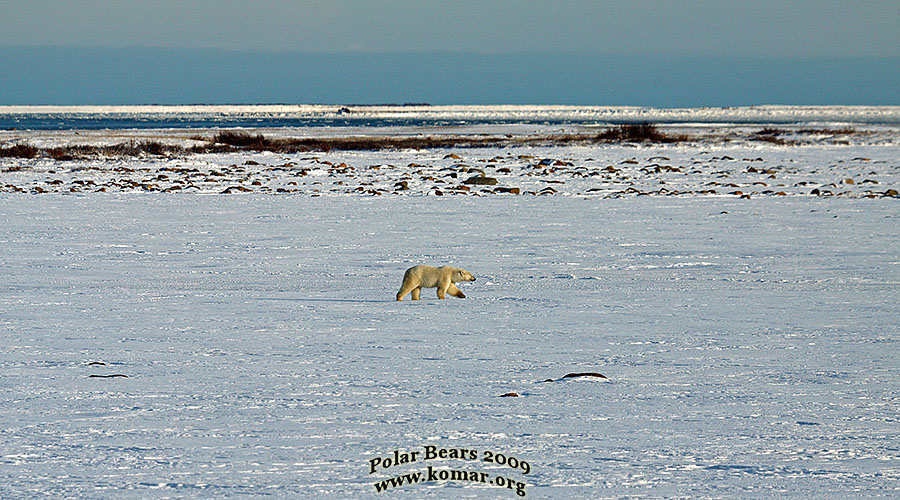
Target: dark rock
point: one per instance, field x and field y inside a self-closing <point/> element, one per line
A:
<point x="584" y="374"/>
<point x="510" y="395"/>
<point x="481" y="180"/>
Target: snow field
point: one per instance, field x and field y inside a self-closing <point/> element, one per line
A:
<point x="750" y="345"/>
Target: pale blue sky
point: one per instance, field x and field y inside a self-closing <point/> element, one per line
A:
<point x="802" y="28"/>
<point x="736" y="38"/>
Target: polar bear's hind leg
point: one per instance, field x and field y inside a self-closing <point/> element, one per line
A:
<point x="406" y="287"/>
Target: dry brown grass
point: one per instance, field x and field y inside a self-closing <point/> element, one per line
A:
<point x="232" y="141"/>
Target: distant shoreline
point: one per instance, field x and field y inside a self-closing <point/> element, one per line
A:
<point x="643" y="113"/>
<point x="379" y="119"/>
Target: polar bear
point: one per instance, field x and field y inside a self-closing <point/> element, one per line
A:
<point x="418" y="277"/>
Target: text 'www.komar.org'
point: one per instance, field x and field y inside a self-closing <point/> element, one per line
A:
<point x="432" y="475"/>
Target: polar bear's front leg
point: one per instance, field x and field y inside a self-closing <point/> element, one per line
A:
<point x="456" y="292"/>
<point x="443" y="286"/>
<point x="415" y="293"/>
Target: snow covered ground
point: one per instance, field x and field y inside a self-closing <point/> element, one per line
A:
<point x="750" y="345"/>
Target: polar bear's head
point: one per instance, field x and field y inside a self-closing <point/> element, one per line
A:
<point x="462" y="275"/>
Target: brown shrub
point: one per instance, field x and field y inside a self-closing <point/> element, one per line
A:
<point x="19" y="151"/>
<point x="638" y="132"/>
<point x="828" y="131"/>
<point x="772" y="139"/>
<point x="244" y="140"/>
